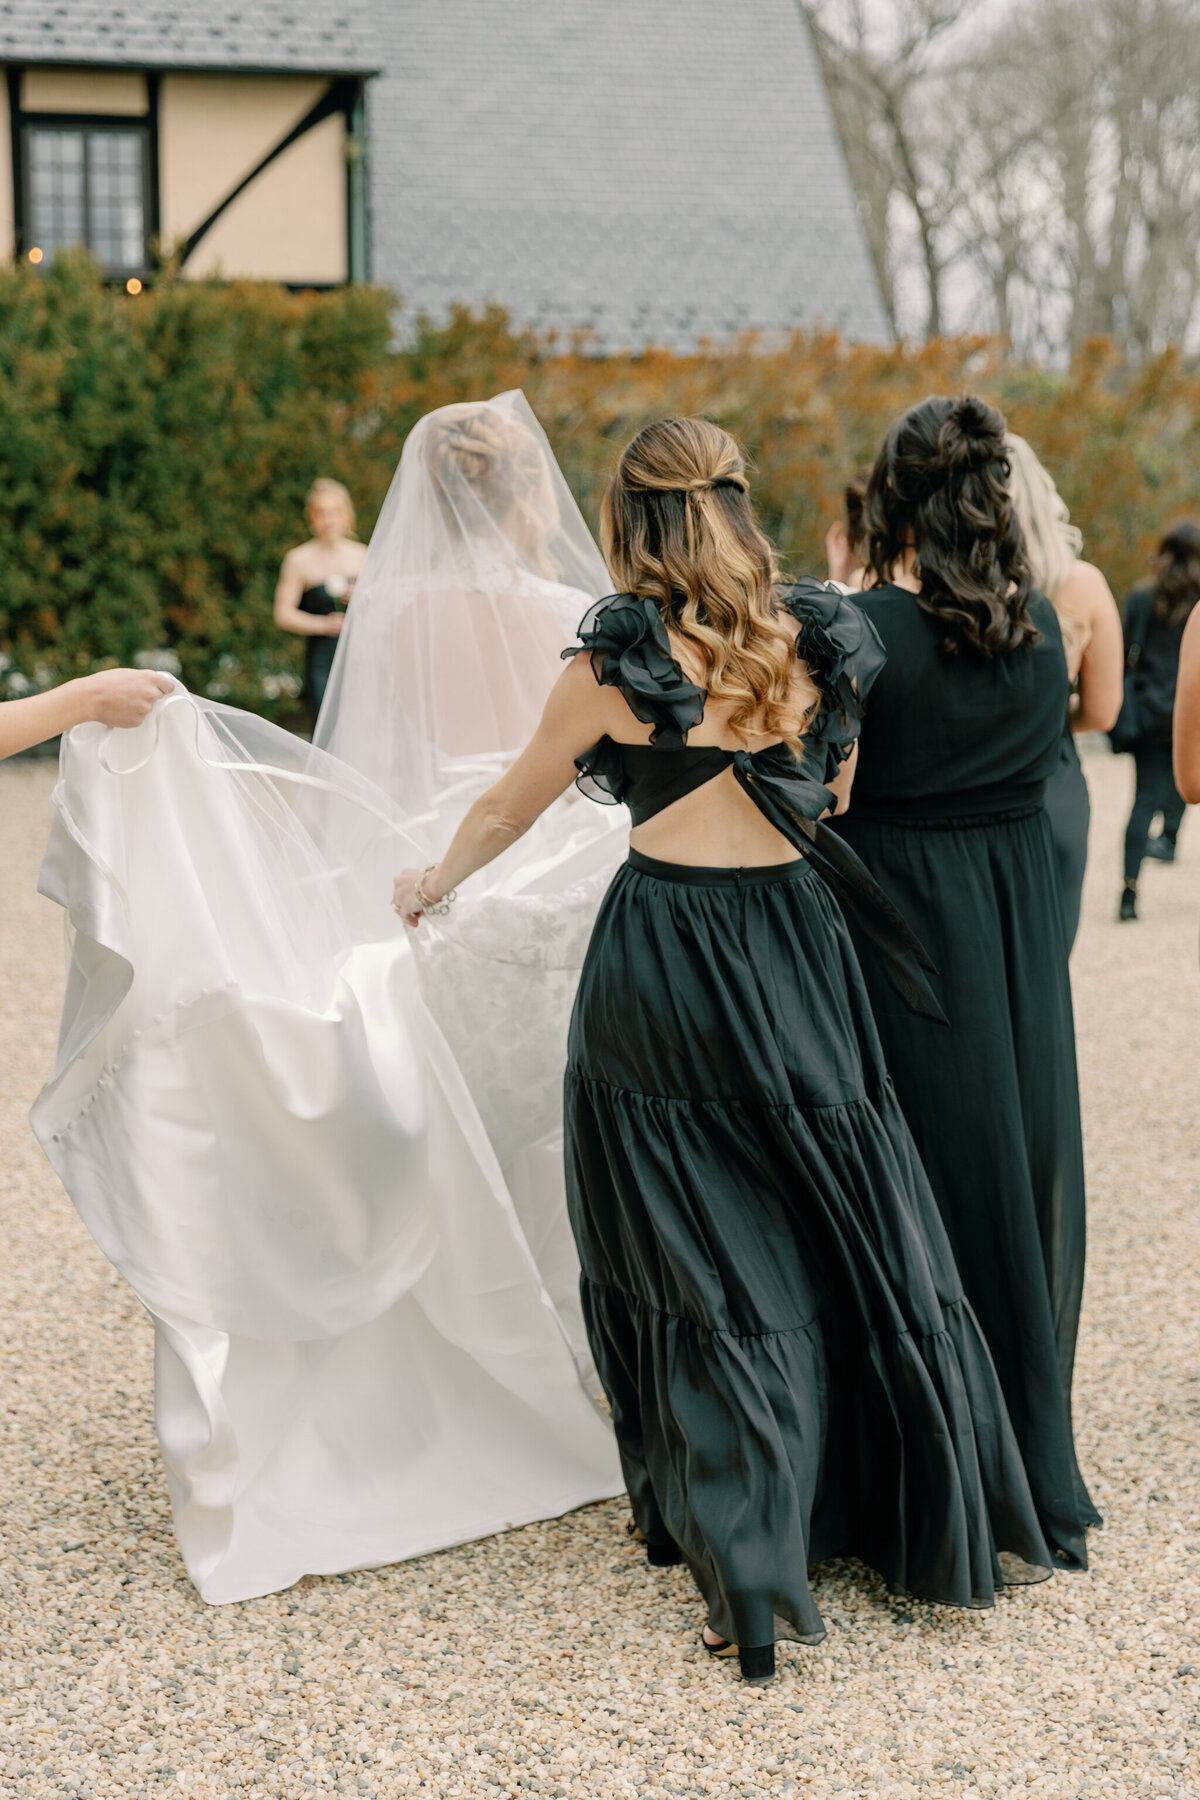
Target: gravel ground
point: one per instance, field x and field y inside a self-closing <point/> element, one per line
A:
<point x="551" y="1660"/>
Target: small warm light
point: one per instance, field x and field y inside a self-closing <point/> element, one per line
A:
<point x="133" y="285"/>
<point x="35" y="255"/>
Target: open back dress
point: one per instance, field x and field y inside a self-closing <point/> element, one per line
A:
<point x="769" y="1292"/>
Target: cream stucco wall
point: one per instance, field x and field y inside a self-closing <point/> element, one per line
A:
<point x="290" y="224"/>
<point x="82" y="91"/>
<point x="213" y="129"/>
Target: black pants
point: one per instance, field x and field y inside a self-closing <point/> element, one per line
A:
<point x="1155" y="793"/>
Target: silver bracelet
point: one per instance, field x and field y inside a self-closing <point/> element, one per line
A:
<point x="424" y="902"/>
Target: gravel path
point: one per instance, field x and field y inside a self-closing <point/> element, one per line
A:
<point x="551" y="1660"/>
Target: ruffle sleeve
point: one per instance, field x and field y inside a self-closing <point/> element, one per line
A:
<point x="843" y="654"/>
<point x="629" y="647"/>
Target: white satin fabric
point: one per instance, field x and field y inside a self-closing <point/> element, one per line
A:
<point x="303" y="1158"/>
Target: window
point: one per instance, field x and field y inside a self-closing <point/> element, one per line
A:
<point x="87" y="184"/>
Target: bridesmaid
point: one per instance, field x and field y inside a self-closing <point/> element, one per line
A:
<point x="769" y="1294"/>
<point x="962" y="732"/>
<point x="1091" y="633"/>
<point x="315" y="583"/>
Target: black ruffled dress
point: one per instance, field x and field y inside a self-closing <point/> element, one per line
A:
<point x="770" y="1296"/>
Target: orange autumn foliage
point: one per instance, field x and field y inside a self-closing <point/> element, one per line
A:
<point x="155" y="454"/>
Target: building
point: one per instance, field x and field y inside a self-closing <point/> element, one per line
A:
<point x="637" y="172"/>
<point x="224" y="136"/>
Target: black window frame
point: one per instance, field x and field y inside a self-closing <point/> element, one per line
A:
<point x="128" y="124"/>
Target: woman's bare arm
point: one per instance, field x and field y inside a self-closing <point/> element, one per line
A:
<point x="577" y="715"/>
<point x="288" y="615"/>
<point x="1186" y="724"/>
<point x="1086" y="595"/>
<point x="113" y="697"/>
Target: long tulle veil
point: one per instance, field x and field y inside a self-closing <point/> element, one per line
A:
<point x="478" y="573"/>
<point x="326" y="1153"/>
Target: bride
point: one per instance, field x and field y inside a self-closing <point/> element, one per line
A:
<point x="327" y="1158"/>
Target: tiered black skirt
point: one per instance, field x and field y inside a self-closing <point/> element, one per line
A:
<point x="770" y="1294"/>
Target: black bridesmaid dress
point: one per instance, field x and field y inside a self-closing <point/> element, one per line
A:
<point x="319" y="652"/>
<point x="1069" y="810"/>
<point x="948" y="814"/>
<point x="769" y="1293"/>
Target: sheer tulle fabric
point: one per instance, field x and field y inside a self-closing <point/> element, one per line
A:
<point x="263" y="1125"/>
<point x="328" y="1154"/>
<point x="477" y="573"/>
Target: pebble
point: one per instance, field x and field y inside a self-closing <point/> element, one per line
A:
<point x="551" y="1661"/>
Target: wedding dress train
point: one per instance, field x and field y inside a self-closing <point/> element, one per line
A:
<point x="325" y="1153"/>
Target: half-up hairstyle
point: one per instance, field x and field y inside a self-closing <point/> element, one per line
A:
<point x="677" y="527"/>
<point x="1177" y="583"/>
<point x="940" y="486"/>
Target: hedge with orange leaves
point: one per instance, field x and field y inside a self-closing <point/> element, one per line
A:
<point x="154" y="454"/>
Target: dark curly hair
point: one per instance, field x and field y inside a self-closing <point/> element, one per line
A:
<point x="1177" y="584"/>
<point x="940" y="486"/>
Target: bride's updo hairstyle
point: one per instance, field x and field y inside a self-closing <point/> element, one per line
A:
<point x="488" y="469"/>
<point x="677" y="527"/>
<point x="940" y="486"/>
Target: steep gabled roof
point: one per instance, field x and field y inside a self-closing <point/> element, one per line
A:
<point x="205" y="34"/>
<point x="659" y="172"/>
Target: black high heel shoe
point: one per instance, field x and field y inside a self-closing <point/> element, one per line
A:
<point x="663" y="1554"/>
<point x="756" y="1661"/>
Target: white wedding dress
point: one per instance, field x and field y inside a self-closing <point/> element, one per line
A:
<point x="326" y="1153"/>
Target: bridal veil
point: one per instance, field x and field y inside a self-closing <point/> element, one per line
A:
<point x="326" y="1153"/>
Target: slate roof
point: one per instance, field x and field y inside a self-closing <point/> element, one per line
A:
<point x="267" y="35"/>
<point x="659" y="170"/>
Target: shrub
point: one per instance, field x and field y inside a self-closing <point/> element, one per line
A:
<point x="155" y="453"/>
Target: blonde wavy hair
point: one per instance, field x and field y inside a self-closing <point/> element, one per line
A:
<point x="677" y="527"/>
<point x="1052" y="544"/>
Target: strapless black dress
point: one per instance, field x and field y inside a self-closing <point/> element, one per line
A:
<point x="769" y="1292"/>
<point x="319" y="652"/>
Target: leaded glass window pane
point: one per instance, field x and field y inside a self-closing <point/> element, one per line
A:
<point x="56" y="189"/>
<point x="116" y="199"/>
<point x="88" y="186"/>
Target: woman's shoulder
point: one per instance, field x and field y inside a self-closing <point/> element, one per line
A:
<point x="837" y="636"/>
<point x="1084" y="591"/>
<point x="628" y="646"/>
<point x="842" y="653"/>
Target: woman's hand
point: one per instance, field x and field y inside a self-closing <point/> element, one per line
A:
<point x="404" y="894"/>
<point x="122" y="697"/>
<point x="576" y="715"/>
<point x="332" y="624"/>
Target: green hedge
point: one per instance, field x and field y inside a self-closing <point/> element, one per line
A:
<point x="155" y="453"/>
